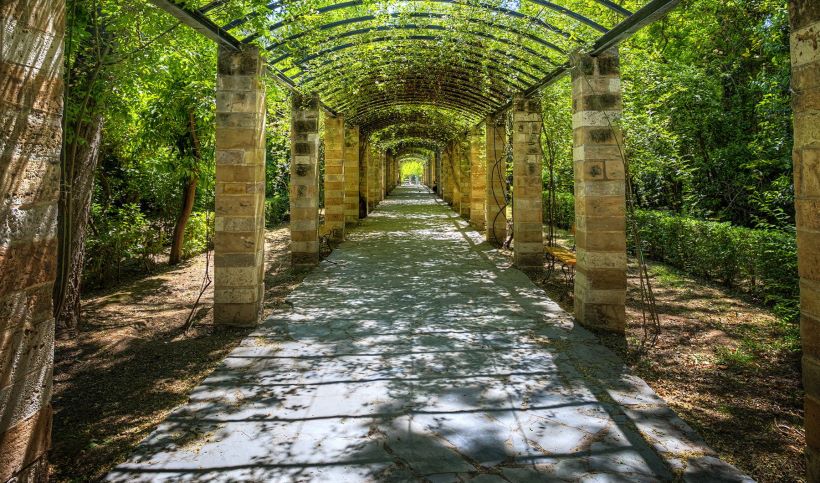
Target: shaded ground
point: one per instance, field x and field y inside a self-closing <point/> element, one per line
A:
<point x="416" y="353"/>
<point x="131" y="364"/>
<point x="725" y="364"/>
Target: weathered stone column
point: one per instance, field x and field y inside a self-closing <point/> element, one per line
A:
<point x="364" y="179"/>
<point x="351" y="175"/>
<point x="239" y="240"/>
<point x="495" y="217"/>
<point x="478" y="178"/>
<point x="446" y="178"/>
<point x="304" y="181"/>
<point x="335" y="177"/>
<point x="455" y="165"/>
<point x="373" y="179"/>
<point x="31" y="106"/>
<point x="465" y="187"/>
<point x="805" y="82"/>
<point x="437" y="174"/>
<point x="600" y="206"/>
<point x="382" y="177"/>
<point x="528" y="234"/>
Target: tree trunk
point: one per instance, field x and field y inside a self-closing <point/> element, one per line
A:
<point x="188" y="193"/>
<point x="80" y="158"/>
<point x="188" y="196"/>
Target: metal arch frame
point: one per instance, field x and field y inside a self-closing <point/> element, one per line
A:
<point x="355" y="3"/>
<point x="415" y="127"/>
<point x="413" y="142"/>
<point x="430" y="15"/>
<point x="440" y="28"/>
<point x="386" y="116"/>
<point x="342" y="47"/>
<point x="477" y="103"/>
<point x="495" y="71"/>
<point x="415" y="116"/>
<point x="445" y="103"/>
<point x="418" y="27"/>
<point x="467" y="82"/>
<point x="472" y="90"/>
<point x="647" y="14"/>
<point x="507" y="78"/>
<point x="452" y="91"/>
<point x="421" y="153"/>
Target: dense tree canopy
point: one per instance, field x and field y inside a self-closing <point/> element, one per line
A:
<point x="706" y="101"/>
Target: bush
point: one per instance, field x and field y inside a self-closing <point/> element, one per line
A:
<point x="564" y="209"/>
<point x="200" y="224"/>
<point x="276" y="210"/>
<point x="760" y="262"/>
<point x="119" y="237"/>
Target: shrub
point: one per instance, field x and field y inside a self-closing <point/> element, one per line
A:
<point x="760" y="262"/>
<point x="276" y="210"/>
<point x="118" y="237"/>
<point x="200" y="224"/>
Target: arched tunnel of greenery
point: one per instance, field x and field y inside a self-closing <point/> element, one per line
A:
<point x="707" y="132"/>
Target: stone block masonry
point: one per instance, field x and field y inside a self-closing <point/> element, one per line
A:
<point x="351" y="175"/>
<point x="478" y="178"/>
<point x="600" y="189"/>
<point x="495" y="219"/>
<point x="239" y="240"/>
<point x="528" y="234"/>
<point x="464" y="178"/>
<point x="334" y="138"/>
<point x="364" y="178"/>
<point x="304" y="181"/>
<point x="805" y="83"/>
<point x="31" y="106"/>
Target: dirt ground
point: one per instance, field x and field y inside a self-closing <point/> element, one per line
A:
<point x="132" y="363"/>
<point x="724" y="363"/>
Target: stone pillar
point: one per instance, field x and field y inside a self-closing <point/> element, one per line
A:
<point x="351" y="154"/>
<point x="437" y="175"/>
<point x="31" y="89"/>
<point x="805" y="83"/>
<point x="478" y="179"/>
<point x="364" y="178"/>
<point x="600" y="206"/>
<point x="495" y="217"/>
<point x="464" y="178"/>
<point x="372" y="179"/>
<point x="304" y="181"/>
<point x="434" y="176"/>
<point x="447" y="176"/>
<point x="528" y="234"/>
<point x="382" y="176"/>
<point x="239" y="240"/>
<point x="335" y="177"/>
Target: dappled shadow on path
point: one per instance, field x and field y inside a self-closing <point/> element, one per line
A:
<point x="416" y="353"/>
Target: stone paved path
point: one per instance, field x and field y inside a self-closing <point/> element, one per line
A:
<point x="415" y="353"/>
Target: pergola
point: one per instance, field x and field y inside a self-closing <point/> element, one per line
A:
<point x="451" y="82"/>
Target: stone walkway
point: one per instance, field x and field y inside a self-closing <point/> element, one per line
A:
<point x="415" y="353"/>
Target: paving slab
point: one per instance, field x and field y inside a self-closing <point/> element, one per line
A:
<point x="415" y="352"/>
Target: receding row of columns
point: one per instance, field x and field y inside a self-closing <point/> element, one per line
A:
<point x="474" y="181"/>
<point x="356" y="178"/>
<point x="31" y="106"/>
